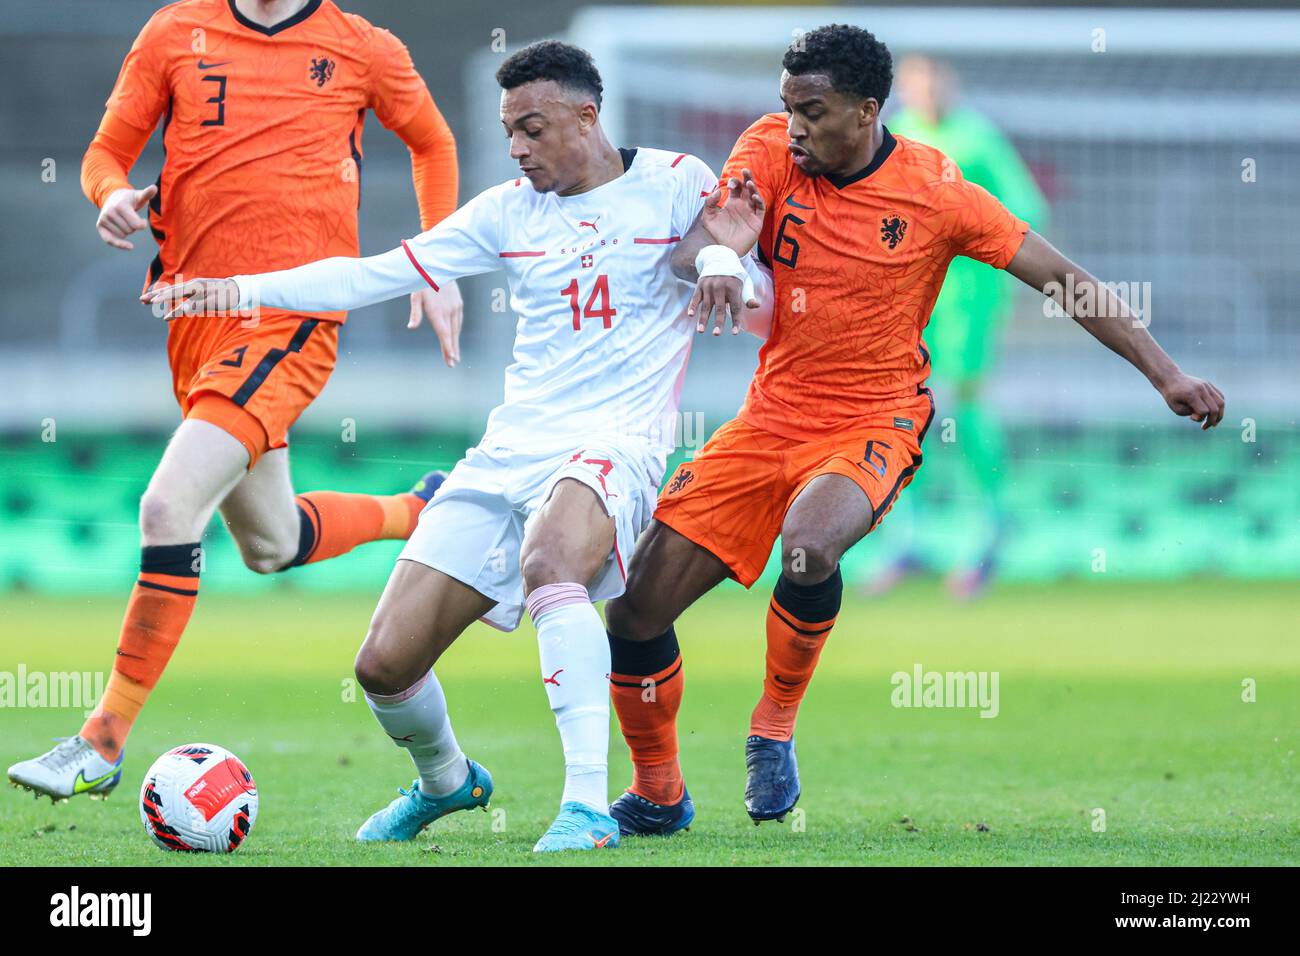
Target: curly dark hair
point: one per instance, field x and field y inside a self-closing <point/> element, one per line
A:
<point x="856" y="62"/>
<point x="570" y="66"/>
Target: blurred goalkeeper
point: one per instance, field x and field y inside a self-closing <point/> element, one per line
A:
<point x="974" y="304"/>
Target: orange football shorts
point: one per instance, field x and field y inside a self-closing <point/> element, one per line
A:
<point x="252" y="378"/>
<point x="731" y="499"/>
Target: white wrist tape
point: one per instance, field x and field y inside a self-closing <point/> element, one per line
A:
<point x="723" y="261"/>
<point x="247" y="292"/>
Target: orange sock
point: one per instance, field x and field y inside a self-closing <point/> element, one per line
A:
<point x="646" y="685"/>
<point x="799" y="620"/>
<point x="334" y="522"/>
<point x="156" y="614"/>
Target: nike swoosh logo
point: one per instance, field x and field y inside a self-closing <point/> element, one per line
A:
<point x="81" y="784"/>
<point x="208" y="66"/>
<point x="603" y="840"/>
<point x="788" y="683"/>
<point x="798" y="205"/>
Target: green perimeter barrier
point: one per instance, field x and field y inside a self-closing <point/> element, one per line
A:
<point x="1124" y="501"/>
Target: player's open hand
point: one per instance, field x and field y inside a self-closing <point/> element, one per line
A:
<point x="738" y="223"/>
<point x="446" y="313"/>
<point x="196" y="297"/>
<point x="120" y="215"/>
<point x="716" y="298"/>
<point x="1194" y="398"/>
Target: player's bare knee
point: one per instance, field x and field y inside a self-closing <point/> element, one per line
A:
<point x="628" y="618"/>
<point x="373" y="673"/>
<point x="619" y="619"/>
<point x="162" y="518"/>
<point x="265" y="555"/>
<point x="544" y="563"/>
<point x="808" y="559"/>
<point x="265" y="562"/>
<point x="378" y="673"/>
<point x="393" y="657"/>
<point x="264" y="565"/>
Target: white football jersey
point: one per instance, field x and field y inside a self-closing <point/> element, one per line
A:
<point x="602" y="339"/>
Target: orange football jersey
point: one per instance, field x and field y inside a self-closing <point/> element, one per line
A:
<point x="858" y="263"/>
<point x="262" y="131"/>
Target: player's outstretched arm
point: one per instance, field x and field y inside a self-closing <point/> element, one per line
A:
<point x="466" y="243"/>
<point x="1112" y="323"/>
<point x="329" y="285"/>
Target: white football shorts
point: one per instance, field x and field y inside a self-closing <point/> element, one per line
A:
<point x="474" y="526"/>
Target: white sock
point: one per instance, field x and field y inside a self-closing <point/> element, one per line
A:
<point x="416" y="719"/>
<point x="574" y="654"/>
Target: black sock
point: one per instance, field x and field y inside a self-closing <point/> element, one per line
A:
<point x="175" y="560"/>
<point x="810" y="603"/>
<point x="638" y="658"/>
<point x="306" y="537"/>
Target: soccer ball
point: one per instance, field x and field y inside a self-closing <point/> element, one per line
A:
<point x="198" y="798"/>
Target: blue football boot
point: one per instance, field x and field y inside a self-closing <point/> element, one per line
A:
<point x="638" y="816"/>
<point x="428" y="486"/>
<point x="412" y="811"/>
<point x="771" y="778"/>
<point x="578" y="827"/>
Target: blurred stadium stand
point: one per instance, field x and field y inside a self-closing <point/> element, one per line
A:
<point x="1139" y="149"/>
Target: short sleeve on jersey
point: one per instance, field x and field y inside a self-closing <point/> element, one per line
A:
<point x="141" y="92"/>
<point x="695" y="181"/>
<point x="983" y="228"/>
<point x="396" y="89"/>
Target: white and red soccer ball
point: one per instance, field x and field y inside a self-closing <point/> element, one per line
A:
<point x="198" y="798"/>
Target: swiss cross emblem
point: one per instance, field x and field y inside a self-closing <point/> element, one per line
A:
<point x="588" y="261"/>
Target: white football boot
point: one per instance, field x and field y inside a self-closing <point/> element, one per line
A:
<point x="73" y="767"/>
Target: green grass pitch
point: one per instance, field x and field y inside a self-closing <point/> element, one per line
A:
<point x="1123" y="698"/>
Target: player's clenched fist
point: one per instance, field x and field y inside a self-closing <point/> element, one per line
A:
<point x="196" y="297"/>
<point x="120" y="215"/>
<point x="1194" y="398"/>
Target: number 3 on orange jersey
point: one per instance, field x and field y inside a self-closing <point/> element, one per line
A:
<point x="219" y="100"/>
